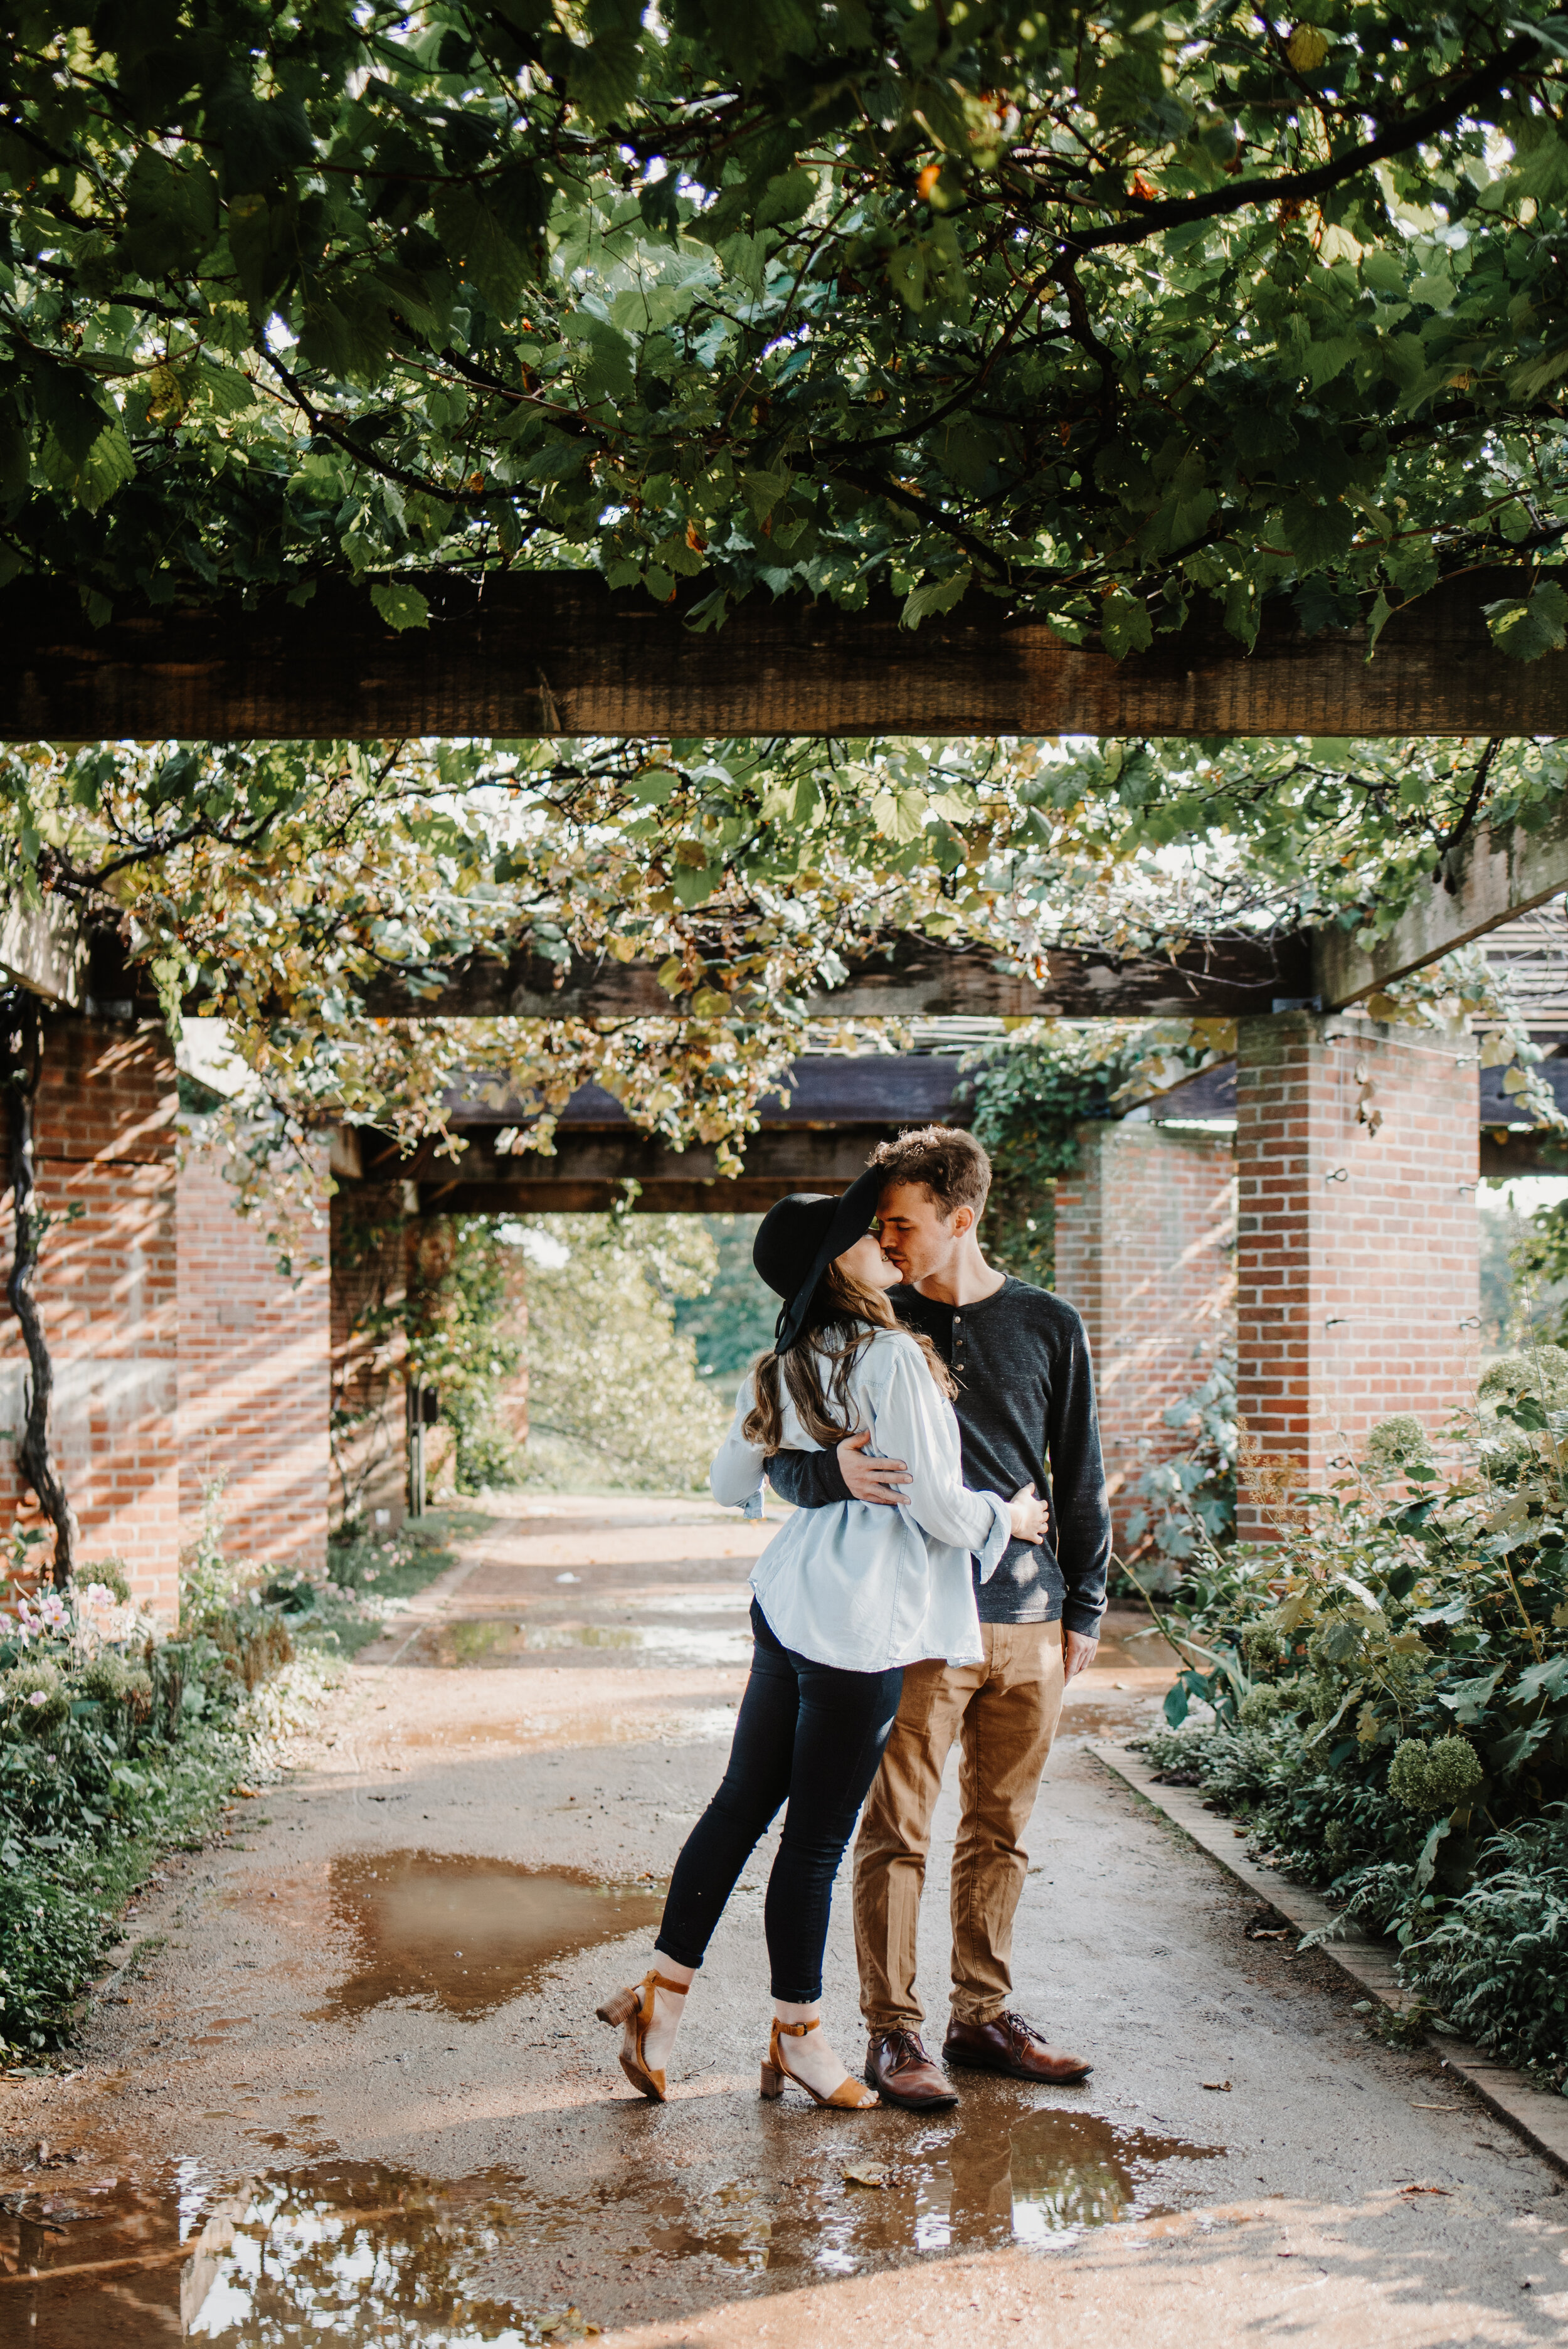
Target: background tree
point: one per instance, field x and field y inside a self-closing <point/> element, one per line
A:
<point x="732" y="1322"/>
<point x="613" y="1396"/>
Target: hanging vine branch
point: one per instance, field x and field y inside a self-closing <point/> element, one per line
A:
<point x="23" y="1066"/>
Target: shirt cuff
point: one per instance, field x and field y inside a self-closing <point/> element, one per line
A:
<point x="996" y="1545"/>
<point x="753" y="1508"/>
<point x="1082" y="1615"/>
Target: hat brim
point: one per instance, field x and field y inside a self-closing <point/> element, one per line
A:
<point x="852" y="1219"/>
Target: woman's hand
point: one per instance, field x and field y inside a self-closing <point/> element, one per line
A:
<point x="1031" y="1517"/>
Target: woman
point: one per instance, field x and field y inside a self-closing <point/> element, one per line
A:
<point x="844" y="1596"/>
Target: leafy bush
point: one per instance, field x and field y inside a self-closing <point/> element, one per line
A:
<point x="1188" y="1502"/>
<point x="731" y="1321"/>
<point x="1387" y="1694"/>
<point x="114" y="1744"/>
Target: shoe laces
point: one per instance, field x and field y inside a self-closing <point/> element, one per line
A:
<point x="905" y="2047"/>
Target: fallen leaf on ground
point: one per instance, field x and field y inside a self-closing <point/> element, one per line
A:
<point x="1216" y="2084"/>
<point x="1423" y="2190"/>
<point x="865" y="2173"/>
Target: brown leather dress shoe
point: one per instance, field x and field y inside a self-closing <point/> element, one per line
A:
<point x="902" y="2073"/>
<point x="1012" y="2045"/>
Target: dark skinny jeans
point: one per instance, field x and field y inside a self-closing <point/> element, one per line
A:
<point x="813" y="1737"/>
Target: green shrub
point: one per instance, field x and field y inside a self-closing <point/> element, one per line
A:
<point x="1386" y="1700"/>
<point x="37" y="1700"/>
<point x="1436" y="1777"/>
<point x="109" y="1752"/>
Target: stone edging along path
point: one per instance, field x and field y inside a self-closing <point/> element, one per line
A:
<point x="1538" y="2117"/>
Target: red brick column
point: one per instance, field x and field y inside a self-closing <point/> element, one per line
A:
<point x="1358" y="1256"/>
<point x="1144" y="1240"/>
<point x="254" y="1379"/>
<point x="107" y="1285"/>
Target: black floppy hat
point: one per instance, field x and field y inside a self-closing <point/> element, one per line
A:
<point x="798" y="1239"/>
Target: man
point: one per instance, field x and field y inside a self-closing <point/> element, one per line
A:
<point x="1026" y="1397"/>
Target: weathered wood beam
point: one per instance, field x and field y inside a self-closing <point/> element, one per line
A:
<point x="916" y="977"/>
<point x="802" y="1159"/>
<point x="1504" y="1155"/>
<point x="859" y="1089"/>
<point x="1490" y="878"/>
<point x="45" y="948"/>
<point x="561" y="653"/>
<point x="744" y="1194"/>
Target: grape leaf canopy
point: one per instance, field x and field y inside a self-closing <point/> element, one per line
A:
<point x="1095" y="310"/>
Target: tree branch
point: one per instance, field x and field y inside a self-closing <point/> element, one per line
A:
<point x="24" y="1060"/>
<point x="1299" y="187"/>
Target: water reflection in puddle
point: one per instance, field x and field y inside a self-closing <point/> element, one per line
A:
<point x="358" y="2254"/>
<point x="354" y="2254"/>
<point x="468" y="1934"/>
<point x="507" y="1640"/>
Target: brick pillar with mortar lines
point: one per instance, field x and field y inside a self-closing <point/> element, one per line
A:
<point x="1358" y="1248"/>
<point x="255" y="1375"/>
<point x="1144" y="1238"/>
<point x="106" y="1285"/>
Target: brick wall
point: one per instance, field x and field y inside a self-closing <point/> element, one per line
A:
<point x="1144" y="1235"/>
<point x="1358" y="1240"/>
<point x="254" y="1379"/>
<point x="108" y="1289"/>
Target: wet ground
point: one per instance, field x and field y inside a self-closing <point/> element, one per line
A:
<point x="359" y="2092"/>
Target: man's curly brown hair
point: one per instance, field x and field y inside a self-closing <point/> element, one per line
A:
<point x="946" y="1161"/>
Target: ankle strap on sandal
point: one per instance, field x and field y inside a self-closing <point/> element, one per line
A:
<point x="796" y="2030"/>
<point x="662" y="1982"/>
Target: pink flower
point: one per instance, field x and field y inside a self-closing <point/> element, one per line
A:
<point x="38" y="1698"/>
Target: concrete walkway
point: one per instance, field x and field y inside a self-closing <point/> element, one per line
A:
<point x="369" y="2041"/>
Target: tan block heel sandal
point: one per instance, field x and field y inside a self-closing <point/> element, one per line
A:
<point x="850" y="2095"/>
<point x="635" y="2008"/>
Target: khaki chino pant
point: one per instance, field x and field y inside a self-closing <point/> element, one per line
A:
<point x="1004" y="1711"/>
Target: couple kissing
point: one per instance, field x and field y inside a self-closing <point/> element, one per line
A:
<point x="915" y="1407"/>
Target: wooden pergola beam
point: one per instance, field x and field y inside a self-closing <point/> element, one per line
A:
<point x="913" y="978"/>
<point x="518" y="653"/>
<point x="740" y="1195"/>
<point x="1490" y="878"/>
<point x="801" y="1159"/>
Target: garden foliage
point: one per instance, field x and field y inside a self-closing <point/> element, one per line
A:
<point x="115" y="1743"/>
<point x="1389" y="1694"/>
<point x="1187" y="1502"/>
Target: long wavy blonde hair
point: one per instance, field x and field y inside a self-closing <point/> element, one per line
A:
<point x="842" y="1320"/>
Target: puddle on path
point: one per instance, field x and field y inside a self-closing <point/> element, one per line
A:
<point x="353" y="2254"/>
<point x="509" y="1640"/>
<point x="361" y="2254"/>
<point x="467" y="1934"/>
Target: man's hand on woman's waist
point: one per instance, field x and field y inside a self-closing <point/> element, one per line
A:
<point x="871" y="1480"/>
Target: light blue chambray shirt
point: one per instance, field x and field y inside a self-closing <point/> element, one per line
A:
<point x="857" y="1584"/>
